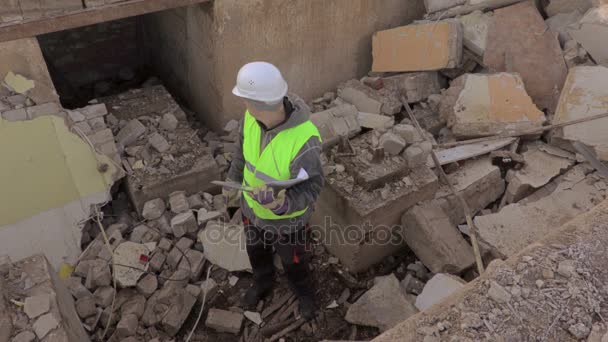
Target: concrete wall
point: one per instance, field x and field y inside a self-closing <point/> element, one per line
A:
<point x="316" y="43"/>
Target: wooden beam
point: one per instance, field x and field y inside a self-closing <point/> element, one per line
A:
<point x="89" y="16"/>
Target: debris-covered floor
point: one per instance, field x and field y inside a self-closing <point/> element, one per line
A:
<point x="508" y="98"/>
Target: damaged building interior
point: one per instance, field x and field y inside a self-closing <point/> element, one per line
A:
<point x="463" y="154"/>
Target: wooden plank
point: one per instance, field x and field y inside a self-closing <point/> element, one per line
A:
<point x="464" y="152"/>
<point x="89" y="16"/>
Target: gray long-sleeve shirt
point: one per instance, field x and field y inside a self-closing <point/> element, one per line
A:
<point x="300" y="196"/>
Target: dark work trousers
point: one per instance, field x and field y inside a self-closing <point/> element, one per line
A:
<point x="294" y="251"/>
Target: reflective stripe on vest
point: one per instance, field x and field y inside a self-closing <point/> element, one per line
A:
<point x="273" y="163"/>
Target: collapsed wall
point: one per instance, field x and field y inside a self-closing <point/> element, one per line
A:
<point x="199" y="49"/>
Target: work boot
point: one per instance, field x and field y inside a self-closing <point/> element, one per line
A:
<point x="307" y="307"/>
<point x="254" y="294"/>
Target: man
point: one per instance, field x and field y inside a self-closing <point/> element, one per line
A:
<point x="276" y="142"/>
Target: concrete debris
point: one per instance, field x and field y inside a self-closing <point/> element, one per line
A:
<point x="178" y="202"/>
<point x="103" y="296"/>
<point x="130" y="133"/>
<point x="428" y="231"/>
<point x="573" y="105"/>
<point x="336" y="122"/>
<point x="224" y="321"/>
<point x="158" y="142"/>
<point x="437" y="289"/>
<point x="18" y="83"/>
<point x="128" y="263"/>
<point x="209" y="287"/>
<point x="368" y="100"/>
<point x="147" y="285"/>
<point x="184" y="223"/>
<point x="44" y="325"/>
<point x="503" y="232"/>
<point x="85" y="307"/>
<point x="575" y="55"/>
<point x="169" y="122"/>
<point x="539" y="169"/>
<point x="417" y="155"/>
<point x="469" y="151"/>
<point x="479" y="105"/>
<point x="498" y="293"/>
<point x="224" y="246"/>
<point x="205" y="216"/>
<point x="25" y="336"/>
<point x="566" y="268"/>
<point x="415" y="86"/>
<point x="392" y="143"/>
<point x="127" y="326"/>
<point x="411" y="284"/>
<point x="254" y="317"/>
<point x="383" y="306"/>
<point x="408" y="133"/>
<point x="375" y="121"/>
<point x="475" y="31"/>
<point x="418" y="47"/>
<point x="37" y="305"/>
<point x="593" y="23"/>
<point x="560" y="23"/>
<point x="556" y="7"/>
<point x="518" y="39"/>
<point x="193" y="261"/>
<point x="232" y="280"/>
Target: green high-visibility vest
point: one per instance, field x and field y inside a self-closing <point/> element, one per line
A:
<point x="273" y="162"/>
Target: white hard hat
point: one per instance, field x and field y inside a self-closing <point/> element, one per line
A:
<point x="260" y="81"/>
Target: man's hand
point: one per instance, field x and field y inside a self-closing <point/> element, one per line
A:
<point x="269" y="199"/>
<point x="231" y="197"/>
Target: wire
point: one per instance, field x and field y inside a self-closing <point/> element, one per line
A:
<point x="200" y="314"/>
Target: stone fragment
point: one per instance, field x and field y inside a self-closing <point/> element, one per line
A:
<point x="435" y="240"/>
<point x="418" y="47"/>
<point x="44" y="325"/>
<point x="498" y="293"/>
<point x="223" y="245"/>
<point x="76" y="288"/>
<point x="475" y="28"/>
<point x="375" y="121"/>
<point x="85" y="307"/>
<point x="168" y="122"/>
<point x="178" y="202"/>
<point x="518" y="225"/>
<point x="415" y="86"/>
<point x="50" y="108"/>
<point x="383" y="306"/>
<point x="131" y="261"/>
<point x="540" y="168"/>
<point x="147" y="285"/>
<point x="392" y="143"/>
<point x="184" y="223"/>
<point x="437" y="289"/>
<point x="566" y="268"/>
<point x="154" y="209"/>
<point x="574" y="105"/>
<point x="24" y="336"/>
<point x="127" y="326"/>
<point x="193" y="261"/>
<point x="224" y="321"/>
<point x="566" y="6"/>
<point x="15" y="115"/>
<point x="560" y="24"/>
<point x="130" y="133"/>
<point x="37" y="305"/>
<point x="158" y="142"/>
<point x="336" y="122"/>
<point x="478" y="105"/>
<point x="519" y="42"/>
<point x="205" y="216"/>
<point x="103" y="296"/>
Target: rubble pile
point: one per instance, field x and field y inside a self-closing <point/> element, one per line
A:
<point x="158" y="268"/>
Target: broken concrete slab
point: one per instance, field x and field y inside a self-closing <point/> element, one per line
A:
<point x="475" y="31"/>
<point x="375" y="121"/>
<point x="479" y="183"/>
<point x="435" y="240"/>
<point x="361" y="96"/>
<point x="224" y="321"/>
<point x="224" y="246"/>
<point x="591" y="31"/>
<point x="129" y="266"/>
<point x="415" y="86"/>
<point x="519" y="42"/>
<point x="479" y="105"/>
<point x="383" y="306"/>
<point x="560" y="23"/>
<point x="418" y="47"/>
<point x="441" y="286"/>
<point x="584" y="95"/>
<point x="556" y="7"/>
<point x="502" y="232"/>
<point x="540" y="168"/>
